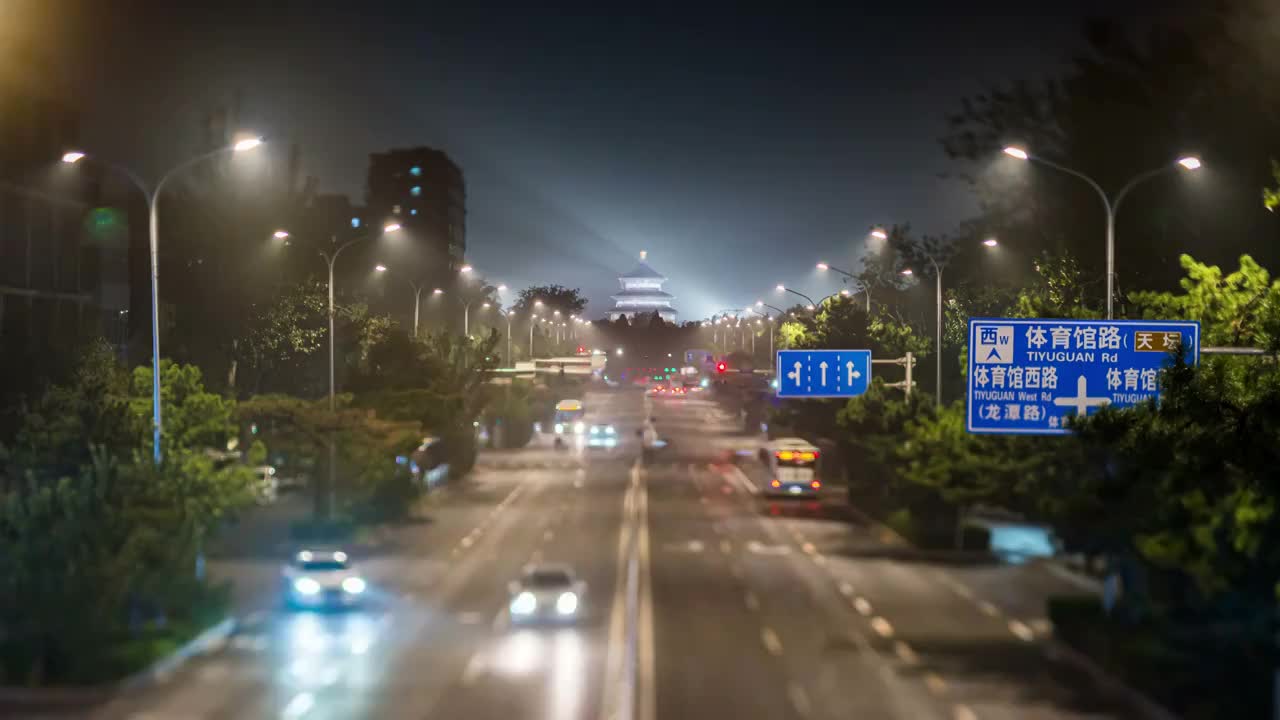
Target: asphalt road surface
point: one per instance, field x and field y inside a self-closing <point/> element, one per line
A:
<point x="703" y="601"/>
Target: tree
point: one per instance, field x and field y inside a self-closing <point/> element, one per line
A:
<point x="554" y="297"/>
<point x="1238" y="309"/>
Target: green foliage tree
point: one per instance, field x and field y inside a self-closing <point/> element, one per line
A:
<point x="568" y="301"/>
<point x="1241" y="308"/>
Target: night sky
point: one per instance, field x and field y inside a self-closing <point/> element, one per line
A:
<point x="737" y="146"/>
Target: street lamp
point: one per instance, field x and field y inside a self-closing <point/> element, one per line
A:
<point x="784" y="288"/>
<point x="937" y="343"/>
<point x="879" y="234"/>
<point x="851" y="276"/>
<point x="417" y="295"/>
<point x="1109" y="204"/>
<point x="990" y="242"/>
<point x="153" y="197"/>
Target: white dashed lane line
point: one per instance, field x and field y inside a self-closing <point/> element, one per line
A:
<point x="882" y="627"/>
<point x="962" y="712"/>
<point x="1021" y="631"/>
<point x="862" y="606"/>
<point x="935" y="683"/>
<point x="905" y="653"/>
<point x="771" y="641"/>
<point x="988" y="609"/>
<point x="752" y="602"/>
<point x="799" y="699"/>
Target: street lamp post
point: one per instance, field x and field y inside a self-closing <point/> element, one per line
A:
<point x="153" y="198"/>
<point x="417" y="296"/>
<point x="866" y="290"/>
<point x="784" y="288"/>
<point x="1110" y="205"/>
<point x="937" y="343"/>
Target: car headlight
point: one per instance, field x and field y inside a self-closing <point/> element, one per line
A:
<point x="579" y="427"/>
<point x="306" y="586"/>
<point x="353" y="585"/>
<point x="595" y="430"/>
<point x="567" y="603"/>
<point x="559" y="428"/>
<point x="610" y="430"/>
<point x="524" y="604"/>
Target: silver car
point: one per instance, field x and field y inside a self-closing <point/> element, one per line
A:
<point x="322" y="579"/>
<point x="547" y="592"/>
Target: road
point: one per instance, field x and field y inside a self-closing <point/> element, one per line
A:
<point x="704" y="601"/>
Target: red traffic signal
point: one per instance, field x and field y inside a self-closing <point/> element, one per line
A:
<point x="721" y="367"/>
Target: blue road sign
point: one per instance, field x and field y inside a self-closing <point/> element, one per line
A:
<point x="1028" y="376"/>
<point x="823" y="373"/>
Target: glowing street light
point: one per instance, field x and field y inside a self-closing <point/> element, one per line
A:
<point x="879" y="234"/>
<point x="72" y="157"/>
<point x="280" y="234"/>
<point x="907" y="272"/>
<point x="1110" y="204"/>
<point x="390" y="227"/>
<point x="990" y="242"/>
<point x="247" y="144"/>
<point x="380" y="267"/>
<point x="465" y="269"/>
<point x="823" y="266"/>
<point x="437" y="291"/>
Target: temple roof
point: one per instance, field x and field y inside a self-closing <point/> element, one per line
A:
<point x="656" y="294"/>
<point x="642" y="270"/>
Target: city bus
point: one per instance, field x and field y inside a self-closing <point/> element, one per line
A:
<point x="793" y="468"/>
<point x="569" y="418"/>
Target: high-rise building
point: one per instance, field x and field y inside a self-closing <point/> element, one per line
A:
<point x="642" y="294"/>
<point x="423" y="190"/>
<point x="64" y="254"/>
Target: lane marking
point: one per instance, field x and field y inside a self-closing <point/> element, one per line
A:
<point x="962" y="712"/>
<point x="214" y="672"/>
<point x="467" y="542"/>
<point x="771" y="641"/>
<point x="862" y="606"/>
<point x="989" y="609"/>
<point x="1020" y="629"/>
<point x="905" y="653"/>
<point x="799" y="699"/>
<point x="935" y="683"/>
<point x="473" y="670"/>
<point x="846" y="589"/>
<point x="753" y="603"/>
<point x="809" y="548"/>
<point x="300" y="705"/>
<point x="819" y="560"/>
<point x="882" y="627"/>
<point x="1042" y="626"/>
<point x="962" y="590"/>
<point x="756" y="548"/>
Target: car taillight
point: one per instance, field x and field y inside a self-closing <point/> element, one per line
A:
<point x="775" y="483"/>
<point x="815" y="484"/>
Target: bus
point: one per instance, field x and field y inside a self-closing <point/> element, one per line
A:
<point x="569" y="418"/>
<point x="793" y="468"/>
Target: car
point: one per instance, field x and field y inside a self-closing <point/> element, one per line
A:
<point x="266" y="485"/>
<point x="657" y="390"/>
<point x="602" y="436"/>
<point x="322" y="579"/>
<point x="546" y="592"/>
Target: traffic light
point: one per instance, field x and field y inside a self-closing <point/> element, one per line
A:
<point x="721" y="367"/>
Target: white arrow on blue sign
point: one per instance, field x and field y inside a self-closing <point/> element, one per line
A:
<point x="823" y="373"/>
<point x="1028" y="376"/>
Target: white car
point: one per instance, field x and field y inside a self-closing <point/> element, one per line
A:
<point x="267" y="486"/>
<point x="322" y="579"/>
<point x="602" y="436"/>
<point x="548" y="592"/>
